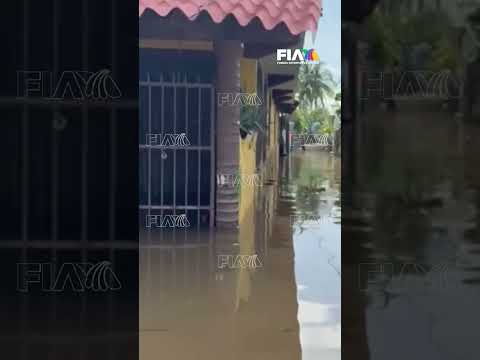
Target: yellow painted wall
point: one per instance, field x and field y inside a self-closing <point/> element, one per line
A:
<point x="271" y="162"/>
<point x="247" y="167"/>
<point x="248" y="75"/>
<point x="248" y="82"/>
<point x="246" y="216"/>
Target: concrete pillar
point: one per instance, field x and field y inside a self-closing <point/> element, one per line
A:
<point x="228" y="54"/>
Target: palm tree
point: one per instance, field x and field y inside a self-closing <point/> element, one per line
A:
<point x="316" y="84"/>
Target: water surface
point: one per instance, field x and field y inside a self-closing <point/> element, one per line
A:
<point x="287" y="308"/>
<point x="411" y="245"/>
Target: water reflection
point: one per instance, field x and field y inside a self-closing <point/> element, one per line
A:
<point x="411" y="238"/>
<point x="288" y="308"/>
<point x="316" y="181"/>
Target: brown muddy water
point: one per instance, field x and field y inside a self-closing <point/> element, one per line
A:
<point x="283" y="305"/>
<point x="411" y="246"/>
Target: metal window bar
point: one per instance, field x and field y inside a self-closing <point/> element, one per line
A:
<point x="212" y="159"/>
<point x="162" y="127"/>
<point x="149" y="150"/>
<point x="174" y="252"/>
<point x="84" y="169"/>
<point x="24" y="354"/>
<point x="28" y="242"/>
<point x="186" y="170"/>
<point x="199" y="151"/>
<point x="54" y="207"/>
<point x="113" y="176"/>
<point x="175" y="84"/>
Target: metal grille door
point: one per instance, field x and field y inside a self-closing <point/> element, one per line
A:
<point x="176" y="151"/>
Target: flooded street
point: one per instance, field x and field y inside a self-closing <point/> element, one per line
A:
<point x="410" y="238"/>
<point x="284" y="305"/>
<point x="317" y="255"/>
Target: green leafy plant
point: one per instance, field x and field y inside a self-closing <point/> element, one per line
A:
<point x="328" y="125"/>
<point x="251" y="120"/>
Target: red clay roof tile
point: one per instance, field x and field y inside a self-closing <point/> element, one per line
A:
<point x="298" y="15"/>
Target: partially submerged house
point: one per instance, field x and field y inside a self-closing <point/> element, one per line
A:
<point x="192" y="52"/>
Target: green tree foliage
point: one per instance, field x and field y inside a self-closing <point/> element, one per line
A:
<point x="394" y="38"/>
<point x="383" y="44"/>
<point x="328" y="124"/>
<point x="310" y="121"/>
<point x="338" y="100"/>
<point x="316" y="84"/>
<point x="316" y="87"/>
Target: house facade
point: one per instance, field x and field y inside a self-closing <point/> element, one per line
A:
<point x="198" y="60"/>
